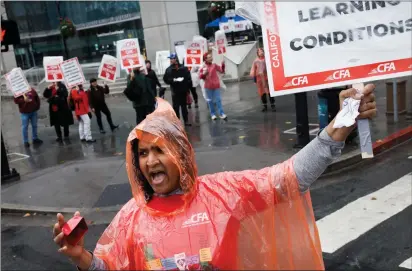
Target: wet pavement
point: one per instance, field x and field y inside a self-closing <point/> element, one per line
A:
<point x="82" y="175"/>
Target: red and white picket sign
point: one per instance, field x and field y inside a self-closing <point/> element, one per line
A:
<point x="221" y="42"/>
<point x="129" y="52"/>
<point x="72" y="72"/>
<point x="52" y="70"/>
<point x="335" y="44"/>
<point x="107" y="69"/>
<point x="194" y="54"/>
<point x="17" y="82"/>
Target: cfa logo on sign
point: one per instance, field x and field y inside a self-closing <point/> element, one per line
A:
<point x="298" y="81"/>
<point x="384" y="67"/>
<point x="129" y="44"/>
<point x="337" y="75"/>
<point x="196" y="219"/>
<point x="194" y="44"/>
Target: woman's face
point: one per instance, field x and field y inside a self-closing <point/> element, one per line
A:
<point x="209" y="58"/>
<point x="148" y="66"/>
<point x="158" y="168"/>
<point x="261" y="53"/>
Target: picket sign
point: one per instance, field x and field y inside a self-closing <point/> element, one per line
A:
<point x="108" y="68"/>
<point x="72" y="72"/>
<point x="194" y="54"/>
<point x="128" y="51"/>
<point x="180" y="50"/>
<point x="221" y="42"/>
<point x="52" y="72"/>
<point x="17" y="82"/>
<point x="203" y="42"/>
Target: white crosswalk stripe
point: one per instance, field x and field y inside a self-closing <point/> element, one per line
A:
<point x="407" y="264"/>
<point x="361" y="215"/>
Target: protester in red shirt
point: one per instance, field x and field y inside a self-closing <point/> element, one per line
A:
<point x="29" y="104"/>
<point x="79" y="99"/>
<point x="209" y="73"/>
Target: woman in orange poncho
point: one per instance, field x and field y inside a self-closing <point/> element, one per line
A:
<point x="260" y="76"/>
<point x="253" y="219"/>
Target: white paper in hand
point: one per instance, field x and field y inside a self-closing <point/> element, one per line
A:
<point x="347" y="116"/>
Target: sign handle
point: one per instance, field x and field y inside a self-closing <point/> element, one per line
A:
<point x="364" y="132"/>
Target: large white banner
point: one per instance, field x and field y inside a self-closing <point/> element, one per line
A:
<point x="316" y="45"/>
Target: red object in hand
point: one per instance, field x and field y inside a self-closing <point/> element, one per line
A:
<point x="74" y="230"/>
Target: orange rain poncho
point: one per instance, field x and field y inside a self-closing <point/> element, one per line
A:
<point x="253" y="219"/>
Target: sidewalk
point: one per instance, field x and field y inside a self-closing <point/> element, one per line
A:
<point x="79" y="176"/>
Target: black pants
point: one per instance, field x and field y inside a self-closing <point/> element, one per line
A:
<point x="179" y="101"/>
<point x="98" y="112"/>
<point x="265" y="100"/>
<point x="58" y="130"/>
<point x="194" y="94"/>
<point x="142" y="112"/>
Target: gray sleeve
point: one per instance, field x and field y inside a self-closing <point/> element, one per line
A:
<point x="314" y="158"/>
<point x="97" y="264"/>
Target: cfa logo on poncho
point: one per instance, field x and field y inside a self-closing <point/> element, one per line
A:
<point x="196" y="219"/>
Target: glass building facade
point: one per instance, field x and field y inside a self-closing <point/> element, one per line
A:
<point x="99" y="25"/>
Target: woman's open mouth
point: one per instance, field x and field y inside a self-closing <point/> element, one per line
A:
<point x="157" y="177"/>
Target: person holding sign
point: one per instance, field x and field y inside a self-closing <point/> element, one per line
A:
<point x="252" y="219"/>
<point x="98" y="104"/>
<point x="59" y="111"/>
<point x="139" y="91"/>
<point x="212" y="85"/>
<point x="82" y="110"/>
<point x="29" y="104"/>
<point x="260" y="76"/>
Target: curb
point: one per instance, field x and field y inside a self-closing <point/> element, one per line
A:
<point x="120" y="93"/>
<point x="9" y="208"/>
<point x="378" y="146"/>
<point x="354" y="157"/>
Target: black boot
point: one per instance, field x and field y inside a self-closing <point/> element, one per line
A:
<point x="273" y="107"/>
<point x="265" y="108"/>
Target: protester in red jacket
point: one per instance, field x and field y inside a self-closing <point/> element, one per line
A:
<point x="80" y="101"/>
<point x="212" y="85"/>
<point x="29" y="104"/>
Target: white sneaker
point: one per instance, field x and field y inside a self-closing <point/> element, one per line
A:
<point x="214" y="117"/>
<point x="223" y="117"/>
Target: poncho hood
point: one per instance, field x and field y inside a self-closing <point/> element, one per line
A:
<point x="163" y="127"/>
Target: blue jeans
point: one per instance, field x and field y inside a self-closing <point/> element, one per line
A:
<point x="213" y="97"/>
<point x="25" y="118"/>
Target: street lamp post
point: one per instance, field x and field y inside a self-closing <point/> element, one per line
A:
<point x="66" y="52"/>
